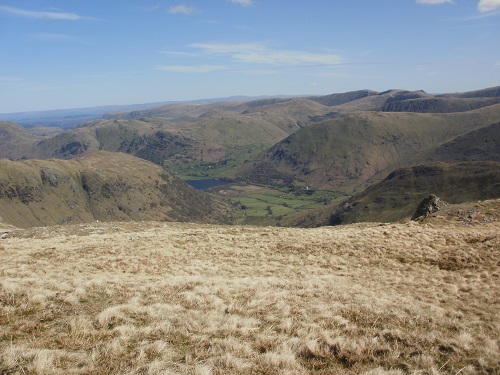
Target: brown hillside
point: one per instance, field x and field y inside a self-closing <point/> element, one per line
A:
<point x="240" y="131"/>
<point x="101" y="186"/>
<point x="15" y="141"/>
<point x="489" y="92"/>
<point x="475" y="145"/>
<point x="345" y="152"/>
<point x="189" y="111"/>
<point x="342" y="98"/>
<point x="376" y="101"/>
<point x="191" y="133"/>
<point x="396" y="197"/>
<point x="439" y="105"/>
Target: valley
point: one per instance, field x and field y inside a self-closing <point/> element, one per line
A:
<point x="249" y="187"/>
<point x="305" y="261"/>
<point x="292" y="161"/>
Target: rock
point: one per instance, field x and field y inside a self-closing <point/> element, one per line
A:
<point x="428" y="206"/>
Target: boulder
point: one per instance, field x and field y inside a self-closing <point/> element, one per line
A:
<point x="428" y="206"/>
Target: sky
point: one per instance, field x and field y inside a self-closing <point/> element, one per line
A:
<point x="57" y="54"/>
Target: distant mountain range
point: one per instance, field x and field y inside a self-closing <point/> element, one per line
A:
<point x="344" y="142"/>
<point x="69" y="118"/>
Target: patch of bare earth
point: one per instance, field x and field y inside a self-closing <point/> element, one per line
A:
<point x="168" y="298"/>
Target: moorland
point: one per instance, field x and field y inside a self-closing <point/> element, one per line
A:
<point x="113" y="264"/>
<point x="179" y="298"/>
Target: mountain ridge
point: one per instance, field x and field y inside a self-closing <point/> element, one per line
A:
<point x="340" y="142"/>
<point x="397" y="196"/>
<point x="101" y="186"/>
<point x="346" y="151"/>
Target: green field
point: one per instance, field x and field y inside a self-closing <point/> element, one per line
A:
<point x="272" y="206"/>
<point x="262" y="205"/>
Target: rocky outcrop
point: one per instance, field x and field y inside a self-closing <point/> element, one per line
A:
<point x="428" y="206"/>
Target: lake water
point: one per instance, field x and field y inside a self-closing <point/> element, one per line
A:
<point x="206" y="184"/>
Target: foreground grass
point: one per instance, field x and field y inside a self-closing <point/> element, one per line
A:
<point x="160" y="298"/>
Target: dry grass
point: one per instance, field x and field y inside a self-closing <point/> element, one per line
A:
<point x="163" y="298"/>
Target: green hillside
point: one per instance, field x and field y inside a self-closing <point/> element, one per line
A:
<point x="313" y="150"/>
<point x="397" y="196"/>
<point x="101" y="186"/>
<point x="346" y="152"/>
<point x="216" y="134"/>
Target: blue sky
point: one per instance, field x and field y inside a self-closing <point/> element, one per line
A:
<point x="78" y="53"/>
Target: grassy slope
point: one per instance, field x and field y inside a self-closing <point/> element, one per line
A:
<point x="101" y="186"/>
<point x="345" y="152"/>
<point x="480" y="144"/>
<point x="398" y="196"/>
<point x="439" y="105"/>
<point x="213" y="140"/>
<point x="212" y="136"/>
<point x="181" y="298"/>
<point x="15" y="141"/>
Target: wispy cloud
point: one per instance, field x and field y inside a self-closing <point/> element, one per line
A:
<point x="244" y="3"/>
<point x="435" y="2"/>
<point x="183" y="9"/>
<point x="488" y="5"/>
<point x="249" y="58"/>
<point x="483" y="5"/>
<point x="213" y="69"/>
<point x="260" y="54"/>
<point x="40" y="14"/>
<point x="446" y="63"/>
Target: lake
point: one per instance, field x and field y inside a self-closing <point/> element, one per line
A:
<point x="206" y="184"/>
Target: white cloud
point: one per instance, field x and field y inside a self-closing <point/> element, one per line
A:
<point x="183" y="9"/>
<point x="247" y="58"/>
<point x="260" y="54"/>
<point x="434" y="2"/>
<point x="213" y="69"/>
<point x="244" y="3"/>
<point x="39" y="15"/>
<point x="488" y="5"/>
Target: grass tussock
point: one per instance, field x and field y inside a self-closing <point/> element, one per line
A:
<point x="157" y="298"/>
